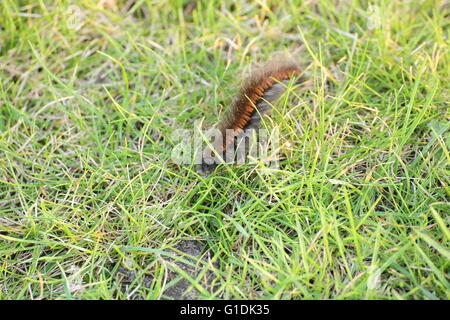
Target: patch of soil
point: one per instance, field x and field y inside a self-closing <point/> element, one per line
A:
<point x="187" y="255"/>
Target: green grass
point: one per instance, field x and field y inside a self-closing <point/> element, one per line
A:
<point x="90" y="96"/>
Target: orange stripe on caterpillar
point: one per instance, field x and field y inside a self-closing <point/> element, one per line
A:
<point x="253" y="90"/>
<point x="252" y="102"/>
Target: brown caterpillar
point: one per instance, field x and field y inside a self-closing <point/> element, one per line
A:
<point x="253" y="101"/>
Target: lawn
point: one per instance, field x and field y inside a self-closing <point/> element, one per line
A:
<point x="93" y="205"/>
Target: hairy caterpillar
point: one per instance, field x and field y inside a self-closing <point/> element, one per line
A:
<point x="253" y="101"/>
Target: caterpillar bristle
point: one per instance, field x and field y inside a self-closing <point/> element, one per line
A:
<point x="253" y="101"/>
<point x="263" y="87"/>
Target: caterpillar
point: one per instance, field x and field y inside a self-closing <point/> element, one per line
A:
<point x="252" y="102"/>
